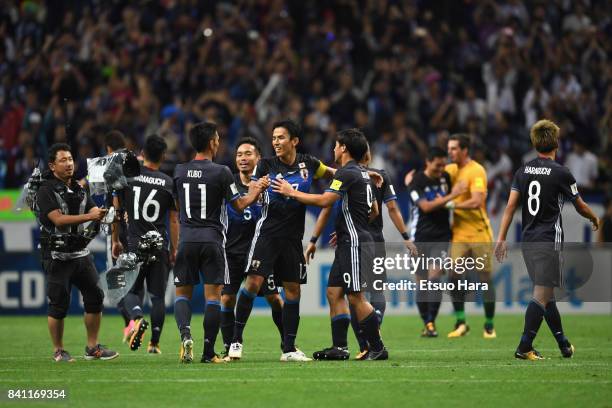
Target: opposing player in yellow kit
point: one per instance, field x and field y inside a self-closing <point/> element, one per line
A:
<point x="472" y="232"/>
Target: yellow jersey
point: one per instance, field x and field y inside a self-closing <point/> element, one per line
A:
<point x="475" y="223"/>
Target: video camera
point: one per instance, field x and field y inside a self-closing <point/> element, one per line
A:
<point x="110" y="173"/>
<point x="30" y="189"/>
<point x="118" y="280"/>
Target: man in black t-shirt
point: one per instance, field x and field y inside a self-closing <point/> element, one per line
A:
<point x="149" y="205"/>
<point x="354" y="250"/>
<point x="430" y="195"/>
<point x="66" y="211"/>
<point x="541" y="186"/>
<point x="202" y="188"/>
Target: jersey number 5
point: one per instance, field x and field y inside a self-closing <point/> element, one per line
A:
<point x="534" y="195"/>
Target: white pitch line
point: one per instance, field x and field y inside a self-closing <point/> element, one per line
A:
<point x="321" y="380"/>
<point x="338" y="366"/>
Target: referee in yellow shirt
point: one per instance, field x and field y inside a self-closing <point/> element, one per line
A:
<point x="472" y="232"/>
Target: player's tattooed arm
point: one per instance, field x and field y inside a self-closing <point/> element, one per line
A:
<point x="500" y="246"/>
<point x="326" y="199"/>
<point x="583" y="209"/>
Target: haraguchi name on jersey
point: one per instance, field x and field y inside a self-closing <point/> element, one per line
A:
<point x="538" y="170"/>
<point x="425" y="285"/>
<point x="151" y="180"/>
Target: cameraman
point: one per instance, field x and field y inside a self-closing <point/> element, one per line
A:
<point x="66" y="210"/>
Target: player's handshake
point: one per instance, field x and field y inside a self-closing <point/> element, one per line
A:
<point x="260" y="185"/>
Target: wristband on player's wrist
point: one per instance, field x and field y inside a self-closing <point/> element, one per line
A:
<point x="450" y="205"/>
<point x="313" y="239"/>
<point x="405" y="236"/>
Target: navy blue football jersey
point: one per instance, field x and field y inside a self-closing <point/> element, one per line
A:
<point x="352" y="183"/>
<point x="148" y="200"/>
<point x="283" y="217"/>
<point x="383" y="194"/>
<point x="435" y="225"/>
<point x="241" y="225"/>
<point x="202" y="189"/>
<point x="544" y="185"/>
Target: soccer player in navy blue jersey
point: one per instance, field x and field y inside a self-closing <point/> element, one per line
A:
<point x="276" y="248"/>
<point x="354" y="249"/>
<point x="149" y="204"/>
<point x="202" y="188"/>
<point x="240" y="232"/>
<point x="541" y="186"/>
<point x="430" y="194"/>
<point x="385" y="193"/>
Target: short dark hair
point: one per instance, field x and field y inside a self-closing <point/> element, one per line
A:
<point x="435" y="152"/>
<point x="114" y="139"/>
<point x="57" y="147"/>
<point x="465" y="141"/>
<point x="355" y="142"/>
<point x="249" y="140"/>
<point x="154" y="148"/>
<point x="293" y="128"/>
<point x="201" y="134"/>
<point x="544" y="136"/>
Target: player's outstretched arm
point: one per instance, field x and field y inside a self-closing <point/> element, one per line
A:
<point x="256" y="187"/>
<point x="475" y="202"/>
<point x="62" y="220"/>
<point x="326" y="199"/>
<point x="500" y="246"/>
<point x="397" y="219"/>
<point x="316" y="233"/>
<point x="583" y="209"/>
<point x="444" y="201"/>
<point x="376" y="177"/>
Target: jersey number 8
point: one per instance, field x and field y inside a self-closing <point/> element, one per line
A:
<point x="534" y="195"/>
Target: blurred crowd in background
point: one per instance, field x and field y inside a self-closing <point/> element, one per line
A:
<point x="408" y="73"/>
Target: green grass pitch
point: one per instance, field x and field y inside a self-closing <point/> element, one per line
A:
<point x="467" y="372"/>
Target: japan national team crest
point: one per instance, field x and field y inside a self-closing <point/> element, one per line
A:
<point x="255" y="265"/>
<point x="443" y="185"/>
<point x="303" y="170"/>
